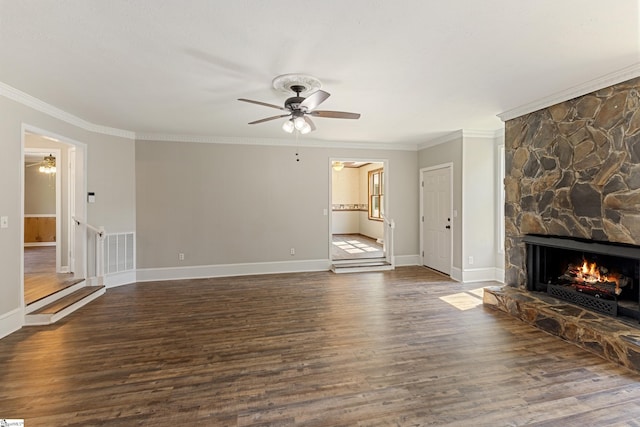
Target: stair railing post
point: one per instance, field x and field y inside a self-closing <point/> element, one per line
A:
<point x="100" y="237"/>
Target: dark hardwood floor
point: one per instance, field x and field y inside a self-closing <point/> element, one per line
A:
<point x="398" y="348"/>
<point x="40" y="277"/>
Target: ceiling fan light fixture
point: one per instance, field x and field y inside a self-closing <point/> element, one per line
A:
<point x="305" y="128"/>
<point x="300" y="123"/>
<point x="288" y="126"/>
<point x="48" y="165"/>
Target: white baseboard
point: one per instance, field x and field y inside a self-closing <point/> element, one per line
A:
<point x="226" y="270"/>
<point x="405" y="260"/>
<point x="34" y="244"/>
<point x="499" y="275"/>
<point x="479" y="274"/>
<point x="456" y="274"/>
<point x="119" y="279"/>
<point x="11" y="322"/>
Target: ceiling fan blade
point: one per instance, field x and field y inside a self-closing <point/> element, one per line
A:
<point x="269" y="118"/>
<point x="335" y="114"/>
<point x="309" y="122"/>
<point x="262" y="103"/>
<point x="315" y="99"/>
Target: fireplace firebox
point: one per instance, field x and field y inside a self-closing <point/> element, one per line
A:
<point x="600" y="276"/>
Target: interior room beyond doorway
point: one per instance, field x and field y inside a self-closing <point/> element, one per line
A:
<point x="357" y="210"/>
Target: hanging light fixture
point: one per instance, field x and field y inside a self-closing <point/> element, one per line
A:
<point x="48" y="165"/>
<point x="288" y="126"/>
<point x="338" y="166"/>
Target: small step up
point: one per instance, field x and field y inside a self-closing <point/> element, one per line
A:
<point x="54" y="292"/>
<point x="64" y="306"/>
<point x="358" y="266"/>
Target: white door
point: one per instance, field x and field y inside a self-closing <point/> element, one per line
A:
<point x="436" y="219"/>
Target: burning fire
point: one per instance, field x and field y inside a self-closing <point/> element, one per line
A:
<point x="591" y="273"/>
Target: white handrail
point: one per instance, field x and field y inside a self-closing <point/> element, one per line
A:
<point x="99" y="231"/>
<point x="99" y="261"/>
<point x="390" y="250"/>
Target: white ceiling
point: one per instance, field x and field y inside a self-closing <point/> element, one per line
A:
<point x="414" y="69"/>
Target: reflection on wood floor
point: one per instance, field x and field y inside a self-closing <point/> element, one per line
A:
<point x="394" y="348"/>
<point x="40" y="277"/>
<point x="355" y="246"/>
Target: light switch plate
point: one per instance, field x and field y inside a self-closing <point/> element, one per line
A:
<point x="4" y="222"/>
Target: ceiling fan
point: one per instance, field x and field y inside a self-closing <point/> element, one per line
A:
<point x="298" y="108"/>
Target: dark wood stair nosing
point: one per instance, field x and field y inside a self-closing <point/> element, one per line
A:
<point x="67" y="284"/>
<point x="68" y="300"/>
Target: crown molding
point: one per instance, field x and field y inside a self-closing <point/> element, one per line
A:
<point x="610" y="79"/>
<point x="441" y="139"/>
<point x="478" y="133"/>
<point x="30" y="101"/>
<point x="285" y="142"/>
<point x="461" y="134"/>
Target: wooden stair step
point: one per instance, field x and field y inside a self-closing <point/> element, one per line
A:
<point x="55" y="288"/>
<point x="62" y="303"/>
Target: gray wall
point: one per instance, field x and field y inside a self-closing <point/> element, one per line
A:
<point x="110" y="172"/>
<point x="228" y="204"/>
<point x="476" y="176"/>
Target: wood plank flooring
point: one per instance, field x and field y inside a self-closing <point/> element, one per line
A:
<point x="312" y="349"/>
<point x="40" y="277"/>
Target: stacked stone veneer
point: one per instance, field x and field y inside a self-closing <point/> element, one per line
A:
<point x="573" y="169"/>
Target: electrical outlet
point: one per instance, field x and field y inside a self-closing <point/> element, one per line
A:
<point x="181" y="256"/>
<point x="292" y="251"/>
<point x="470" y="260"/>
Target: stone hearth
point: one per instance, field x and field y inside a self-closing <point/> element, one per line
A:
<point x="614" y="339"/>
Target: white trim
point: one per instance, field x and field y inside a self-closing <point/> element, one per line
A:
<point x="456" y="274"/>
<point x="462" y="133"/>
<point x="285" y="142"/>
<point x="385" y="168"/>
<point x="441" y="139"/>
<point x="499" y="275"/>
<point x="39" y="215"/>
<point x="30" y="101"/>
<point x="75" y="145"/>
<point x="406" y="260"/>
<point x="48" y="319"/>
<point x="227" y="270"/>
<point x="119" y="279"/>
<point x="11" y="322"/>
<point x="610" y="79"/>
<point x="479" y="274"/>
<point x="38" y="105"/>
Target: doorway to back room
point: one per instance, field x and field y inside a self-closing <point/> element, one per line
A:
<point x="357" y="210"/>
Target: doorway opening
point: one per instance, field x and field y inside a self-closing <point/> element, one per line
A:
<point x="50" y="187"/>
<point x="358" y="210"/>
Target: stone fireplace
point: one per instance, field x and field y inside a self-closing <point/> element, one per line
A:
<point x="572" y="174"/>
<point x="573" y="170"/>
